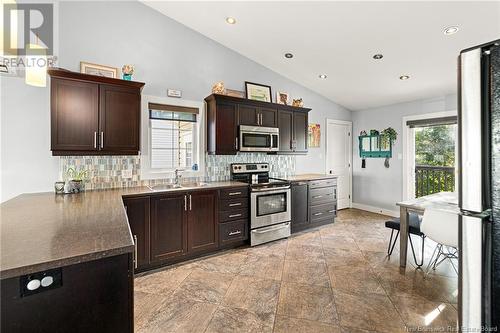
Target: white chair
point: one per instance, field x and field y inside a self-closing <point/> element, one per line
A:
<point x="441" y="227"/>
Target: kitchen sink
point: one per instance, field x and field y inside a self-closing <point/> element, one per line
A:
<point x="164" y="187"/>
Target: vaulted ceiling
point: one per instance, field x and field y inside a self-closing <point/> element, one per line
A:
<point x="339" y="39"/>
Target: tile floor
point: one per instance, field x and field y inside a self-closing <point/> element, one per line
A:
<point x="335" y="278"/>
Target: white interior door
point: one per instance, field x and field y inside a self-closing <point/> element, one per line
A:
<point x="339" y="158"/>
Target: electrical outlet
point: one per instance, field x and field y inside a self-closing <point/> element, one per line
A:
<point x="127" y="174"/>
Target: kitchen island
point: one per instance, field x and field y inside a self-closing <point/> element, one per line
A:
<point x="67" y="261"/>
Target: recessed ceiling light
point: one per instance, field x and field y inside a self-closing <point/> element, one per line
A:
<point x="451" y="30"/>
<point x="378" y="56"/>
<point x="288" y="55"/>
<point x="404" y="77"/>
<point x="230" y="20"/>
<point x="322" y="76"/>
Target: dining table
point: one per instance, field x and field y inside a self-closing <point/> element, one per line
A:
<point x="443" y="201"/>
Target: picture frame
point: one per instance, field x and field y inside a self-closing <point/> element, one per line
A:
<point x="98" y="70"/>
<point x="235" y="93"/>
<point x="282" y="98"/>
<point x="258" y="92"/>
<point x="314" y="135"/>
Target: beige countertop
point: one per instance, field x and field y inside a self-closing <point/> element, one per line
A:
<point x="309" y="176"/>
<point x="43" y="230"/>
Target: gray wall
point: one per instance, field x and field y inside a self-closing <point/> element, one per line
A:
<point x="376" y="185"/>
<point x="165" y="53"/>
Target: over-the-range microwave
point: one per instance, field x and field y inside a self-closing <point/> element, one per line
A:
<point x="255" y="138"/>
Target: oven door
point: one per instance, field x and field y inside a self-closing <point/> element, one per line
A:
<point x="270" y="206"/>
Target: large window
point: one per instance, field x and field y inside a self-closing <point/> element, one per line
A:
<point x="173" y="138"/>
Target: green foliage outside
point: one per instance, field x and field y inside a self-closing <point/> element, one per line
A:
<point x="434" y="147"/>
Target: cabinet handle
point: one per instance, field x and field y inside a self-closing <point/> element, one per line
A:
<point x="236" y="143"/>
<point x="235" y="204"/>
<point x="135" y="251"/>
<point x="232" y="233"/>
<point x="185" y="202"/>
<point x="331" y="211"/>
<point x="318" y="214"/>
<point x="190" y="203"/>
<point x="102" y="140"/>
<point x="260" y="119"/>
<point x="234" y="193"/>
<point x="95" y="139"/>
<point x="317" y="196"/>
<point x="235" y="215"/>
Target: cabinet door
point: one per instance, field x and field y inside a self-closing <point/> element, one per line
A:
<point x="74" y="115"/>
<point x="138" y="219"/>
<point x="285" y="119"/>
<point x="120" y="113"/>
<point x="300" y="132"/>
<point x="299" y="205"/>
<point x="168" y="226"/>
<point x="202" y="221"/>
<point x="248" y="115"/>
<point x="226" y="129"/>
<point x="268" y="117"/>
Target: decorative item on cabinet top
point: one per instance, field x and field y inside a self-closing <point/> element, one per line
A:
<point x="98" y="70"/>
<point x="258" y="92"/>
<point x="298" y="103"/>
<point x="128" y="71"/>
<point x="282" y="98"/>
<point x="218" y="88"/>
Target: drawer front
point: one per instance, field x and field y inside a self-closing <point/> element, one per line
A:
<point x="267" y="234"/>
<point x="233" y="215"/>
<point x="323" y="183"/>
<point x="322" y="195"/>
<point x="233" y="231"/>
<point x="322" y="212"/>
<point x="235" y="192"/>
<point x="232" y="204"/>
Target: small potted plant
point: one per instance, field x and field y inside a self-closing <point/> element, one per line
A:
<point x="127" y="71"/>
<point x="75" y="180"/>
<point x="388" y="135"/>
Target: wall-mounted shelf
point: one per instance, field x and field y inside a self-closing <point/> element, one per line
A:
<point x="374" y="146"/>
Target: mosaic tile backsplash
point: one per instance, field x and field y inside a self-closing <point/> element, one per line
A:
<point x="106" y="171"/>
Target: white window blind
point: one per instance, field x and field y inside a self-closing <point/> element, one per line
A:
<point x="172" y="138"/>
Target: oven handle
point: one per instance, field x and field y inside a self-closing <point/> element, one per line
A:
<point x="270" y="189"/>
<point x="285" y="225"/>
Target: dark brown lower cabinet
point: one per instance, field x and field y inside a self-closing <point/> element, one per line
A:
<point x="300" y="216"/>
<point x="203" y="234"/>
<point x="168" y="231"/>
<point x="138" y="210"/>
<point x="314" y="203"/>
<point x="94" y="296"/>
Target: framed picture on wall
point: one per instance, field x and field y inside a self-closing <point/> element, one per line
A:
<point x="98" y="70"/>
<point x="314" y="135"/>
<point x="258" y="92"/>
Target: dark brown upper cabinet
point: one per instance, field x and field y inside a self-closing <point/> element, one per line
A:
<point x="293" y="131"/>
<point x="252" y="115"/>
<point x="93" y="115"/>
<point x="226" y="113"/>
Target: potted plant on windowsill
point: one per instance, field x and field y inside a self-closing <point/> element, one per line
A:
<point x="76" y="180"/>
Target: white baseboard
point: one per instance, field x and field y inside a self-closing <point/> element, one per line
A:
<point x="393" y="213"/>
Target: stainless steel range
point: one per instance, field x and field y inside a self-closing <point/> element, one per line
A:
<point x="270" y="210"/>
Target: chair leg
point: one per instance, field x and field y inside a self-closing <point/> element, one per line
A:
<point x="432" y="259"/>
<point x="413" y="252"/>
<point x="390" y="243"/>
<point x="393" y="244"/>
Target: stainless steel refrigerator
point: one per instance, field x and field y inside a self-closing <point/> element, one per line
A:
<point x="479" y="187"/>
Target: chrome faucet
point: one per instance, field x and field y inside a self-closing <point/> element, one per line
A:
<point x="178" y="175"/>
